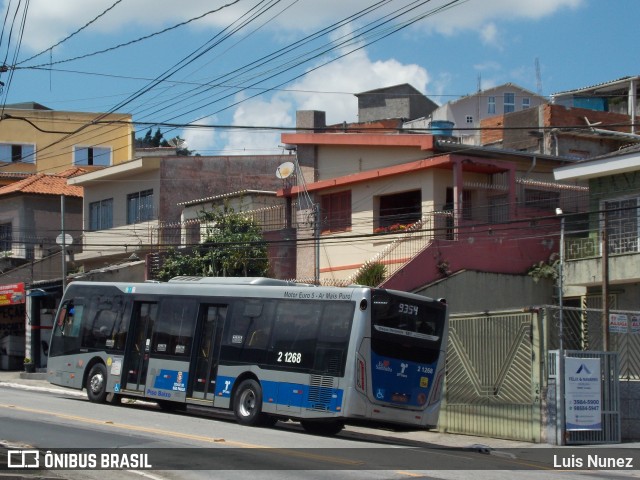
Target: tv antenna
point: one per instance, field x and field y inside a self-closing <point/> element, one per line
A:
<point x="178" y="143"/>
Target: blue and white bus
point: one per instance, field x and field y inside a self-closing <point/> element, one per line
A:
<point x="266" y="349"/>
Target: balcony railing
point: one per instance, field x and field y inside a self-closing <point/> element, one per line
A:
<point x="406" y="244"/>
<point x="579" y="248"/>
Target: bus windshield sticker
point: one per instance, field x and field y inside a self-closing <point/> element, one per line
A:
<point x="179" y="349"/>
<point x="406" y="333"/>
<point x="162" y="347"/>
<point x="236" y="339"/>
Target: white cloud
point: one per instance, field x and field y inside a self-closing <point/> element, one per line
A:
<point x="48" y="21"/>
<point x="253" y="113"/>
<point x="489" y="34"/>
<point x="328" y="89"/>
<point x="352" y="74"/>
<point x="199" y="140"/>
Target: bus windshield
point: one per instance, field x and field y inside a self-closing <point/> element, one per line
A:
<point x="405" y="328"/>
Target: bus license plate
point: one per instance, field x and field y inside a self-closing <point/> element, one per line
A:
<point x="399" y="398"/>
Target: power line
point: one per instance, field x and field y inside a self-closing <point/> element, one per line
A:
<point x="96" y="18"/>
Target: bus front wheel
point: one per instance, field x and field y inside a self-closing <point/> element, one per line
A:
<point x="97" y="383"/>
<point x="247" y="404"/>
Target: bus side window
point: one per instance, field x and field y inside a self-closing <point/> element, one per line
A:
<point x="69" y="320"/>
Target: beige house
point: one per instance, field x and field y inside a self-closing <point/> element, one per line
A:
<point x="415" y="203"/>
<point x="34" y="138"/>
<point x="134" y="208"/>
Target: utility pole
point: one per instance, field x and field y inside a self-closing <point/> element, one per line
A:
<point x="316" y="234"/>
<point x="63" y="245"/>
<point x="605" y="283"/>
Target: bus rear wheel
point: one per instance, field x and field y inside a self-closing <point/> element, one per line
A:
<point x="327" y="428"/>
<point x="247" y="404"/>
<point x="97" y="383"/>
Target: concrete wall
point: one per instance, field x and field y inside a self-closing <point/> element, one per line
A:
<point x="471" y="291"/>
<point x="338" y="161"/>
<point x="190" y="178"/>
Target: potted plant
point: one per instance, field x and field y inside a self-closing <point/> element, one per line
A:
<point x="29" y="366"/>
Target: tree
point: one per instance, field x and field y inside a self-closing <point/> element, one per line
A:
<point x="233" y="247"/>
<point x="150" y="141"/>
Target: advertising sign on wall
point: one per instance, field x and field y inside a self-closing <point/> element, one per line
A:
<point x="12" y="294"/>
<point x="583" y="394"/>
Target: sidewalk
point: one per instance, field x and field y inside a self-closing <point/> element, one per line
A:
<point x="38" y="381"/>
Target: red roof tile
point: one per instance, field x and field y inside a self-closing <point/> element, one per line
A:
<point x="44" y="184"/>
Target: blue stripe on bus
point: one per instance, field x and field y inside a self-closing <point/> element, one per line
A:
<point x="290" y="394"/>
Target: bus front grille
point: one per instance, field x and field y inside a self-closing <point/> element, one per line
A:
<point x="320" y="393"/>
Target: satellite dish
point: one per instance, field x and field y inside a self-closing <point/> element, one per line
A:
<point x="285" y="170"/>
<point x="178" y="143"/>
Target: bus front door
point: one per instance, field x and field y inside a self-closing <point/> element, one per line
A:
<point x="205" y="360"/>
<point x="144" y="316"/>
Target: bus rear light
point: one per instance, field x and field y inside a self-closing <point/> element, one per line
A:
<point x="437" y="388"/>
<point x="361" y="375"/>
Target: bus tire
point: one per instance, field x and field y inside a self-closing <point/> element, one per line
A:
<point x="247" y="404"/>
<point x="97" y="383"/>
<point x="326" y="428"/>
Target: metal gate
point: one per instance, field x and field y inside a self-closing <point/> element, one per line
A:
<point x="493" y="381"/>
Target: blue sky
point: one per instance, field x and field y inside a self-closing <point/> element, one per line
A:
<point x="232" y="67"/>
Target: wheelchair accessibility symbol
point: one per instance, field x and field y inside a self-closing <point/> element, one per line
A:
<point x="380" y="394"/>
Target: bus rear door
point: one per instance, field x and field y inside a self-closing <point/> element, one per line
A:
<point x="202" y="385"/>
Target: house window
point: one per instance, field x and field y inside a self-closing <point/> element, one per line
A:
<point x="98" y="156"/>
<point x="399" y="210"/>
<point x="491" y="105"/>
<point x="622" y="223"/>
<point x="13" y="153"/>
<point x="526" y="103"/>
<point x="140" y="207"/>
<point x="336" y="212"/>
<point x="509" y="102"/>
<point x="5" y="237"/>
<point x="101" y="214"/>
<point x="469" y="119"/>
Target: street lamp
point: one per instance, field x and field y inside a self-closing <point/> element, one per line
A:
<point x="561" y="279"/>
<point x="561" y="406"/>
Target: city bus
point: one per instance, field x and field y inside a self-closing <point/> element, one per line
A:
<point x="266" y="349"/>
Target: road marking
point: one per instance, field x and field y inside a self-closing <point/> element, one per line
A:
<point x="189" y="436"/>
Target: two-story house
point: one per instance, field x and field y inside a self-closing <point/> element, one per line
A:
<point x="34" y="138"/>
<point x="422" y="206"/>
<point x="37" y="140"/>
<point x="464" y="115"/>
<point x="35" y="213"/>
<point x="601" y="269"/>
<point x="135" y="208"/>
